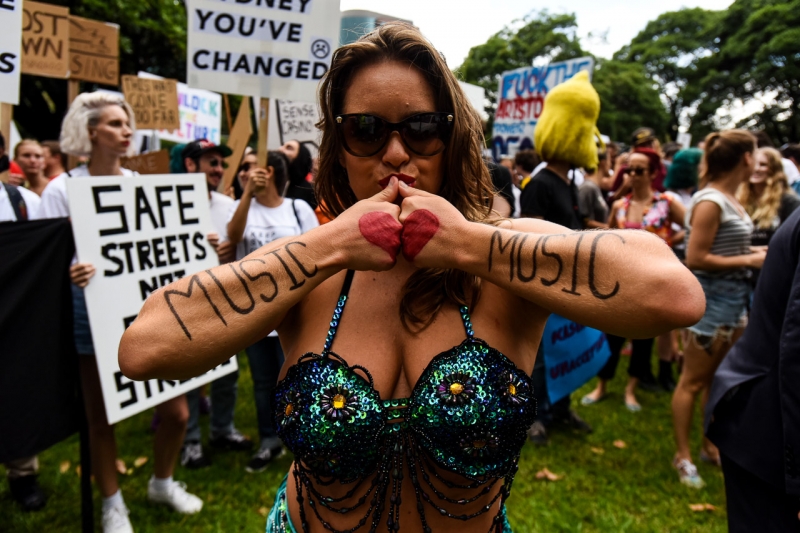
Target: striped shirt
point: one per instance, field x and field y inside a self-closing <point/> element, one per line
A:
<point x="733" y="235"/>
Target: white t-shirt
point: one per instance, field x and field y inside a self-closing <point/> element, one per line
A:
<point x="54" y="197"/>
<point x="792" y="174"/>
<point x="31" y="199"/>
<point x="266" y="224"/>
<point x="220" y="209"/>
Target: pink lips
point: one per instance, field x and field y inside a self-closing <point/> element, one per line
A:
<point x="408" y="180"/>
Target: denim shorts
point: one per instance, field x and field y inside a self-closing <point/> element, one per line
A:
<point x="80" y="323"/>
<point x="727" y="301"/>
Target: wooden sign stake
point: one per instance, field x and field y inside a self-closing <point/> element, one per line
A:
<point x="263" y="128"/>
<point x="237" y="142"/>
<point x="227" y="105"/>
<point x="6" y="114"/>
<point x="73" y="90"/>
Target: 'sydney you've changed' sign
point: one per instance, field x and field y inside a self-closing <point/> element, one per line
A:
<point x="262" y="48"/>
<point x="140" y="233"/>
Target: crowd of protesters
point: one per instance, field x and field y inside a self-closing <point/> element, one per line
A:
<point x="718" y="206"/>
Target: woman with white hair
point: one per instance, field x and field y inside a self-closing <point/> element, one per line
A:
<point x="101" y="126"/>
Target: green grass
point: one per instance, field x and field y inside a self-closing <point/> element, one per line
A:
<point x="630" y="489"/>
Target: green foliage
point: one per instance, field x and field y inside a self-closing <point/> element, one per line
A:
<point x="152" y="38"/>
<point x="538" y="35"/>
<point x="758" y="58"/>
<point x="629" y="99"/>
<point x="604" y="488"/>
<point x="669" y="48"/>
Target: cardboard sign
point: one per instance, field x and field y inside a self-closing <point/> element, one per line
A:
<point x="237" y="142"/>
<point x="93" y="51"/>
<point x="154" y="102"/>
<point x="521" y="100"/>
<point x="262" y="49"/>
<point x="45" y="40"/>
<point x="140" y="233"/>
<point x="149" y="163"/>
<point x="10" y="44"/>
<point x="573" y="354"/>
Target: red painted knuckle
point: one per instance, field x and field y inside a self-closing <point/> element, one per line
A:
<point x="382" y="230"/>
<point x="419" y="228"/>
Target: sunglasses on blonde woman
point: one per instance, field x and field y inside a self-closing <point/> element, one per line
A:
<point x="425" y="134"/>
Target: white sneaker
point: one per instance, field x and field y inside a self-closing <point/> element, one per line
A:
<point x="175" y="496"/>
<point x="115" y="520"/>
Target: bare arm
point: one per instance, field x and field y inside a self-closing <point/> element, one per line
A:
<point x="616" y="281"/>
<point x="705" y="224"/>
<point x="197" y="322"/>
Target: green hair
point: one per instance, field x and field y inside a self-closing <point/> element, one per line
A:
<point x="683" y="172"/>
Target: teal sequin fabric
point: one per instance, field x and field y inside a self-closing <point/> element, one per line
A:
<point x="467" y="415"/>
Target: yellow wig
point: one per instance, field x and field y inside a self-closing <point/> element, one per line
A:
<point x="566" y="129"/>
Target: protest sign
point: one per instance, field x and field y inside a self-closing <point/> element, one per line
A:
<point x="93" y="51"/>
<point x="521" y="99"/>
<point x="45" y="40"/>
<point x="200" y="114"/>
<point x="154" y="102"/>
<point x="573" y="354"/>
<point x="261" y="48"/>
<point x="140" y="233"/>
<point x="290" y="120"/>
<point x="10" y="43"/>
<point x="149" y="163"/>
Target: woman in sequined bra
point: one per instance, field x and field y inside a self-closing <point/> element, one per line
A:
<point x="411" y="321"/>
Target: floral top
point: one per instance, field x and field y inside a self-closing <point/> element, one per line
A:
<point x="655" y="219"/>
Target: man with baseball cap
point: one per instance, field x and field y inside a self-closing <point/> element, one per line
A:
<point x="206" y="157"/>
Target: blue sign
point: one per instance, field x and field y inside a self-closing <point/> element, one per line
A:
<point x="573" y="354"/>
<point x="521" y="95"/>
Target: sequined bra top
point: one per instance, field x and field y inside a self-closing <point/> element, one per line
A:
<point x="468" y="415"/>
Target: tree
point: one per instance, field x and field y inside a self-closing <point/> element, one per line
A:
<point x="629" y="99"/>
<point x="669" y="48"/>
<point x="538" y="35"/>
<point x="758" y="58"/>
<point x="152" y="38"/>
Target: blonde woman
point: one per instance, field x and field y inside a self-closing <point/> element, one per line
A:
<point x="767" y="196"/>
<point x="101" y="126"/>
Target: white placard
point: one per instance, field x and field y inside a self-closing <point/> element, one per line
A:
<point x="200" y="114"/>
<point x="10" y="44"/>
<point x="262" y="48"/>
<point x="293" y="121"/>
<point x="140" y="233"/>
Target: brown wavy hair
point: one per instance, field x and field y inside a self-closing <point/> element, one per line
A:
<point x="466" y="182"/>
<point x="723" y="152"/>
<point x="764" y="210"/>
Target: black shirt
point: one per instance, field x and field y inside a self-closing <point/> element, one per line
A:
<point x="548" y="196"/>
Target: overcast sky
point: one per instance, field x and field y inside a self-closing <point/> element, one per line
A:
<point x="456" y="26"/>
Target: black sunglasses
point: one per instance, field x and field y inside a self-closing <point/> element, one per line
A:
<point x="637" y="171"/>
<point x="245" y="167"/>
<point x="425" y="134"/>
